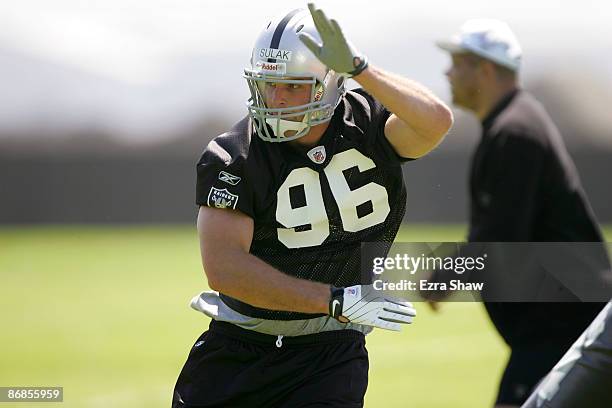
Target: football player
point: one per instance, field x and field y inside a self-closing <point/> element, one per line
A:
<point x="286" y="198"/>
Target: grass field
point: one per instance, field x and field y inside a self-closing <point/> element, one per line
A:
<point x="103" y="312"/>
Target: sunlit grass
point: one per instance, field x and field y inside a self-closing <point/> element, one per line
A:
<point x="103" y="312"/>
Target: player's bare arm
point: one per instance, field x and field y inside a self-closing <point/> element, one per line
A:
<point x="230" y="268"/>
<point x="419" y="120"/>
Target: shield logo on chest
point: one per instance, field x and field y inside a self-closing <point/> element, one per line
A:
<point x="317" y="154"/>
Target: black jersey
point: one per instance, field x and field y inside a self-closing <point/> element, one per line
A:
<point x="313" y="207"/>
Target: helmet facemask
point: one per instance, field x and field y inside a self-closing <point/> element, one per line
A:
<point x="291" y="122"/>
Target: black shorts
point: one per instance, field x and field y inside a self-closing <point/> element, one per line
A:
<point x="233" y="367"/>
<point x="525" y="368"/>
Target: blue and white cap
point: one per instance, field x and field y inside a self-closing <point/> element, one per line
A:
<point x="488" y="38"/>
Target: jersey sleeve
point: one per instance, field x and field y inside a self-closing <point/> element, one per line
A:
<point x="371" y="116"/>
<point x="222" y="181"/>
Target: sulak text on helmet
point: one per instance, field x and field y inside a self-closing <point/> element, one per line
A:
<point x="283" y="55"/>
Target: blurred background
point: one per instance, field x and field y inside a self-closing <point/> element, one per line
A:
<point x="105" y="108"/>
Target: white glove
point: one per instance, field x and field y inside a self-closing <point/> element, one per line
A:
<point x="363" y="304"/>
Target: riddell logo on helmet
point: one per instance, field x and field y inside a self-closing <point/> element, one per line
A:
<point x="283" y="55"/>
<point x="271" y="67"/>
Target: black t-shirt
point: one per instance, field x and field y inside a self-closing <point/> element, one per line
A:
<point x="524" y="187"/>
<point x="313" y="207"/>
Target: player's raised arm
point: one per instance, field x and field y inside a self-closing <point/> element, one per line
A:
<point x="420" y="120"/>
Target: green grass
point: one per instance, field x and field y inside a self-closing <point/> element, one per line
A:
<point x="104" y="313"/>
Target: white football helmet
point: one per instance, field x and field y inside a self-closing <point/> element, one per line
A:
<point x="280" y="57"/>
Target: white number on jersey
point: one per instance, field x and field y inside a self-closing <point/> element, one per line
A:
<point x="314" y="213"/>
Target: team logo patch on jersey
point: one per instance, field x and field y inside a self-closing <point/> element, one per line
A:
<point x="317" y="154"/>
<point x="229" y="178"/>
<point x="221" y="198"/>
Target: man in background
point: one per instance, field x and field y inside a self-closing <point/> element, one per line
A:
<point x="523" y="187"/>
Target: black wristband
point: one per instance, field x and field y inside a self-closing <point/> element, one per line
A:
<point x="360" y="64"/>
<point x="336" y="301"/>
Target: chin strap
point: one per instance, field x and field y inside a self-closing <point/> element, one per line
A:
<point x="284" y="126"/>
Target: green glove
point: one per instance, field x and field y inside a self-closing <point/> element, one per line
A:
<point x="335" y="52"/>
